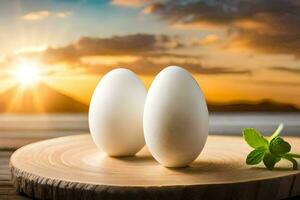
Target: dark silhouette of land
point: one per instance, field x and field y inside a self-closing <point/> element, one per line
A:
<point x="40" y="99"/>
<point x="261" y="106"/>
<point x="44" y="99"/>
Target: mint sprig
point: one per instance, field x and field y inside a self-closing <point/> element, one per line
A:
<point x="269" y="151"/>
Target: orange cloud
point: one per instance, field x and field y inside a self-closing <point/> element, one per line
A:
<point x="129" y="3"/>
<point x="107" y="60"/>
<point x="135" y="44"/>
<point x="286" y="69"/>
<point x="208" y="40"/>
<point x="150" y="67"/>
<point x="145" y="54"/>
<point x="265" y="27"/>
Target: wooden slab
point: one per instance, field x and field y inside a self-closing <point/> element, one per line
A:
<point x="73" y="168"/>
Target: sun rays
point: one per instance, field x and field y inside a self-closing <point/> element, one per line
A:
<point x="27" y="75"/>
<point x="34" y="86"/>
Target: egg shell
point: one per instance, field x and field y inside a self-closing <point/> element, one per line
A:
<point x="175" y="118"/>
<point x="116" y="113"/>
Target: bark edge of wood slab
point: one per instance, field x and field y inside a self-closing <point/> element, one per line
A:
<point x="73" y="168"/>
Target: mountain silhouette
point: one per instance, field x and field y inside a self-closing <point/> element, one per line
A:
<point x="260" y="106"/>
<point x="43" y="99"/>
<point x="39" y="98"/>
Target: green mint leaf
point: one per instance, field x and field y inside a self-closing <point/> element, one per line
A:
<point x="254" y="138"/>
<point x="279" y="146"/>
<point x="292" y="160"/>
<point x="256" y="156"/>
<point x="268" y="152"/>
<point x="270" y="160"/>
<point x="277" y="132"/>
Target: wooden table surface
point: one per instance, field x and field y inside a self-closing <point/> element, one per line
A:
<point x="7" y="147"/>
<point x="9" y="142"/>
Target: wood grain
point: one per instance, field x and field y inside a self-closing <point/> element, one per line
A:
<point x="7" y="191"/>
<point x="73" y="168"/>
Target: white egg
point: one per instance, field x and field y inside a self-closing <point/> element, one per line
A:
<point x="116" y="113"/>
<point x="175" y="118"/>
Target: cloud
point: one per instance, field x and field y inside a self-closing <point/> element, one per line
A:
<point x="145" y="54"/>
<point x="277" y="83"/>
<point x="150" y="66"/>
<point x="62" y="14"/>
<point x="43" y="14"/>
<point x="129" y="3"/>
<point x="286" y="69"/>
<point x="135" y="44"/>
<point x="207" y="40"/>
<point x="261" y="25"/>
<point x="36" y="16"/>
<point x="30" y="49"/>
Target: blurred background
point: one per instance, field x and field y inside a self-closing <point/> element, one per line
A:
<point x="243" y="53"/>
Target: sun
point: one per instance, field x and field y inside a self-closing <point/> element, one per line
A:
<point x="27" y="73"/>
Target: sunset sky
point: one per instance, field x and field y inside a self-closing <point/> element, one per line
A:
<point x="240" y="50"/>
